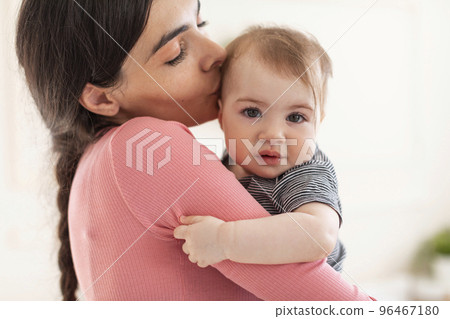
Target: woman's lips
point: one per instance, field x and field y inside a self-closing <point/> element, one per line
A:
<point x="217" y="90"/>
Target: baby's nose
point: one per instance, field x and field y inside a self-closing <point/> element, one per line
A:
<point x="272" y="133"/>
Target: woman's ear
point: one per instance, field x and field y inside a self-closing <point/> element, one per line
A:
<point x="220" y="112"/>
<point x="98" y="101"/>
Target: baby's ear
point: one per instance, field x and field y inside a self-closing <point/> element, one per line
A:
<point x="220" y="112"/>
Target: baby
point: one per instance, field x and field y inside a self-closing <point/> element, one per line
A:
<point x="273" y="97"/>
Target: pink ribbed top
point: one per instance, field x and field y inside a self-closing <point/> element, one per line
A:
<point x="122" y="216"/>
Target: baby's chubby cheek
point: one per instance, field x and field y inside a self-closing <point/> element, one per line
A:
<point x="302" y="153"/>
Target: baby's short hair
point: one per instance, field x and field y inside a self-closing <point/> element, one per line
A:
<point x="287" y="52"/>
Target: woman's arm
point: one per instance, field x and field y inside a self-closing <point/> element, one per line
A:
<point x="309" y="234"/>
<point x="172" y="181"/>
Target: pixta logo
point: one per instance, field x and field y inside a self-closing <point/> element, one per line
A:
<point x="141" y="144"/>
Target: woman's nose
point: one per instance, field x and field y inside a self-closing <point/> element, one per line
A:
<point x="214" y="55"/>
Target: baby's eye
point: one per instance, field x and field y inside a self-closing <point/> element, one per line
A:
<point x="296" y="118"/>
<point x="251" y="112"/>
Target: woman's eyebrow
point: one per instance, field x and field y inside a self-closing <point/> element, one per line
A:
<point x="169" y="36"/>
<point x="172" y="34"/>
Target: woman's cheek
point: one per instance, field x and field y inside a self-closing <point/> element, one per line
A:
<point x="189" y="89"/>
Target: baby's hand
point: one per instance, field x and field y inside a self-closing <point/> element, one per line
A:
<point x="203" y="243"/>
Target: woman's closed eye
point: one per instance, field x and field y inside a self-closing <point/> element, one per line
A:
<point x="202" y="24"/>
<point x="182" y="55"/>
<point x="251" y="112"/>
<point x="295" y="118"/>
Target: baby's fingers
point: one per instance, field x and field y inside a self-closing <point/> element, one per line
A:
<point x="202" y="264"/>
<point x="185" y="248"/>
<point x="192" y="259"/>
<point x="180" y="232"/>
<point x="187" y="220"/>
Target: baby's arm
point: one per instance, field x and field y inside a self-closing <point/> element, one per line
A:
<point x="182" y="188"/>
<point x="307" y="234"/>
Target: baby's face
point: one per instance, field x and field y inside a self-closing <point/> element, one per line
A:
<point x="268" y="120"/>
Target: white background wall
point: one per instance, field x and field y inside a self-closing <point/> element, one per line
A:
<point x="386" y="131"/>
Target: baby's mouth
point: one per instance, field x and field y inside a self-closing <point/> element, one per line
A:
<point x="270" y="157"/>
<point x="269" y="153"/>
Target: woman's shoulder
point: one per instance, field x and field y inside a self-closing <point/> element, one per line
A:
<point x="142" y="140"/>
<point x="140" y="126"/>
<point x="137" y="133"/>
<point x="152" y="145"/>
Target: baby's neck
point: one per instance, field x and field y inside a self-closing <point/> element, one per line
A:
<point x="238" y="171"/>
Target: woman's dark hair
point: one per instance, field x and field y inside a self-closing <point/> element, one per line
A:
<point x="61" y="47"/>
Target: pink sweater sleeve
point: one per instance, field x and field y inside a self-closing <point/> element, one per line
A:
<point x="162" y="173"/>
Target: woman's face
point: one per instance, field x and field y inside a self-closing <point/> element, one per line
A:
<point x="172" y="72"/>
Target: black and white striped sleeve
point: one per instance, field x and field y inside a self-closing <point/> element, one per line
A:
<point x="313" y="181"/>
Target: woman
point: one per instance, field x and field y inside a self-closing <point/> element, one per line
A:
<point x="103" y="107"/>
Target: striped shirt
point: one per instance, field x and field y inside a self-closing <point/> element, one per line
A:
<point x="312" y="181"/>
